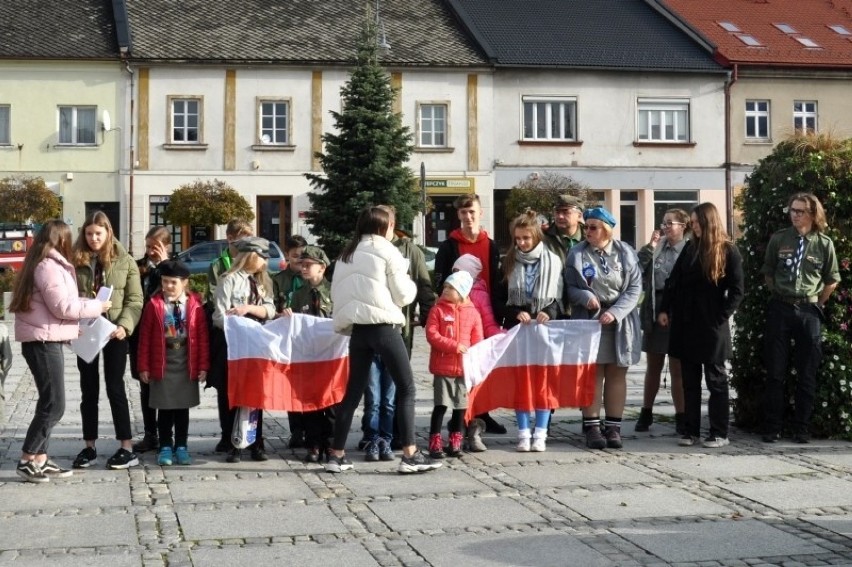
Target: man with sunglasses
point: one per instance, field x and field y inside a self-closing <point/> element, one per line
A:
<point x="801" y="272"/>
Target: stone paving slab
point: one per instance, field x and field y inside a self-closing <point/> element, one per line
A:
<point x="396" y="484"/>
<point x="62" y="493"/>
<point x="733" y="466"/>
<point x="662" y="446"/>
<point x="129" y="559"/>
<point x="579" y="474"/>
<point x="521" y="550"/>
<point x="639" y="502"/>
<point x="836" y="459"/>
<point x="447" y="513"/>
<point x="841" y="525"/>
<point x="242" y="490"/>
<point x="46" y="532"/>
<point x="272" y="521"/>
<point x="503" y="452"/>
<point x="795" y="494"/>
<point x="716" y="541"/>
<point x="348" y="554"/>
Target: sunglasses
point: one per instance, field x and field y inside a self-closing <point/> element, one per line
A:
<point x="669" y="224"/>
<point x="592" y="228"/>
<point x="797" y="212"/>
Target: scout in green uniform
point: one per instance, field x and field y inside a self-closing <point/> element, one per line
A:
<point x="314" y="298"/>
<point x="284" y="284"/>
<point x="801" y="272"/>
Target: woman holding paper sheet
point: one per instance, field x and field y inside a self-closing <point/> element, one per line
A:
<point x="47" y="310"/>
<point x="101" y="261"/>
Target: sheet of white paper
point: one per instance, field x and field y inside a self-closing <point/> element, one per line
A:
<point x="94" y="336"/>
<point x="104" y="293"/>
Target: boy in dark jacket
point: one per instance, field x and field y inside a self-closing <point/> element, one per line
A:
<point x="314" y="298"/>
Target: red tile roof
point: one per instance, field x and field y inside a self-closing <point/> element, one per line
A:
<point x="755" y="18"/>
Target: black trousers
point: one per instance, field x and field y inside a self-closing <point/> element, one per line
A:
<point x="115" y="363"/>
<point x="177" y="419"/>
<point x="149" y="414"/>
<point x="802" y="323"/>
<point x="46" y="363"/>
<point x="718" y="406"/>
<point x="387" y="342"/>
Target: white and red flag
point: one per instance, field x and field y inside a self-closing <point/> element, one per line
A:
<point x="295" y="363"/>
<point x="534" y="366"/>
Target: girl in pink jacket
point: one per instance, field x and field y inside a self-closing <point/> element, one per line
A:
<point x="47" y="310"/>
<point x="453" y="325"/>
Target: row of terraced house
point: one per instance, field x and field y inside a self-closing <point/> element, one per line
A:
<point x="651" y="103"/>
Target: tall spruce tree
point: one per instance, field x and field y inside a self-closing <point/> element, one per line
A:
<point x="365" y="160"/>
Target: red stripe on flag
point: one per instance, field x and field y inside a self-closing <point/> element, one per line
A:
<point x="533" y="387"/>
<point x="297" y="386"/>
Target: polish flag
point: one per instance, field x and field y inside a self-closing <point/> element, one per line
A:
<point x="534" y="366"/>
<point x="295" y="363"/>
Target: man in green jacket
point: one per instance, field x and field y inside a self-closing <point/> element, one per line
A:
<point x="801" y="272"/>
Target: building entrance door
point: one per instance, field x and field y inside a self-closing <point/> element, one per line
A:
<point x="273" y="218"/>
<point x="442" y="220"/>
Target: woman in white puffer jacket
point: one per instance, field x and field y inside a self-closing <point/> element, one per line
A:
<point x="369" y="289"/>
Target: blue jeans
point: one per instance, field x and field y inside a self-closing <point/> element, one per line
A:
<point x="542" y="418"/>
<point x="379" y="403"/>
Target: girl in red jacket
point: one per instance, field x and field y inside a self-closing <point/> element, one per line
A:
<point x="174" y="356"/>
<point x="453" y="325"/>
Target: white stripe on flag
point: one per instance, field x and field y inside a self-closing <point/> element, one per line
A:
<point x="554" y="343"/>
<point x="298" y="338"/>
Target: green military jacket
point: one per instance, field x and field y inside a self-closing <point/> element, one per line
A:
<point x="217" y="267"/>
<point x="561" y="244"/>
<point x="123" y="276"/>
<point x="284" y="284"/>
<point x="818" y="268"/>
<point x="301" y="301"/>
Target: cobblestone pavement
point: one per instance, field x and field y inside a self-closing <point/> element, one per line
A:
<point x="652" y="503"/>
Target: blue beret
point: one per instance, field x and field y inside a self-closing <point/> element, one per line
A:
<point x="601" y="214"/>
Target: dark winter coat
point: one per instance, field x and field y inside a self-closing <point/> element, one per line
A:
<point x="699" y="310"/>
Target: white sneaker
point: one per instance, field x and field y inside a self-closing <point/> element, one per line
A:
<point x="523" y="441"/>
<point x="716" y="442"/>
<point x="539" y="440"/>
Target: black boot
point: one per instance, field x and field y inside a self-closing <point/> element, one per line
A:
<point x="491" y="425"/>
<point x="150" y="442"/>
<point x="646" y="418"/>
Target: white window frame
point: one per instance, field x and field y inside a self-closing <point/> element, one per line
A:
<point x="659" y="112"/>
<point x="805" y="111"/>
<point x="185" y="115"/>
<point x="433" y="131"/>
<point x="277" y="136"/>
<point x="557" y="115"/>
<point x="754" y="115"/>
<point x="5" y="124"/>
<point x="74" y="128"/>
